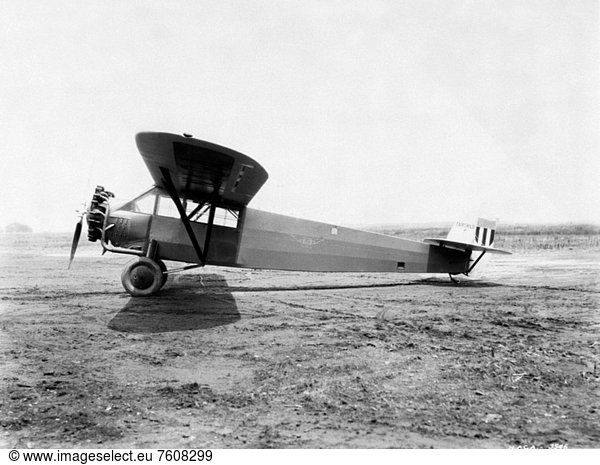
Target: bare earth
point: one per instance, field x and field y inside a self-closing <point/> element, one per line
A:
<point x="229" y="358"/>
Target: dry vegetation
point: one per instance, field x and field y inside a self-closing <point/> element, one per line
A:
<point x="517" y="237"/>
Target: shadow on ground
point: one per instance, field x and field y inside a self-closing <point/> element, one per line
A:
<point x="183" y="305"/>
<point x="446" y="282"/>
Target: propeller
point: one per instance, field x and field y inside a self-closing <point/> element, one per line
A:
<point x="76" y="237"/>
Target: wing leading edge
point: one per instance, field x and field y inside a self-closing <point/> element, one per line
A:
<point x="200" y="169"/>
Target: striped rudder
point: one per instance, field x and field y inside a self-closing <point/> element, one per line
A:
<point x="481" y="233"/>
<point x="485" y="232"/>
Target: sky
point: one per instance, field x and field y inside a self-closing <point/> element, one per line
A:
<point x="363" y="112"/>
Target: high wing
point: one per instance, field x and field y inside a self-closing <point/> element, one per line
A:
<point x="199" y="170"/>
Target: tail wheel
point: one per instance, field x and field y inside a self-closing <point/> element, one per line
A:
<point x="143" y="277"/>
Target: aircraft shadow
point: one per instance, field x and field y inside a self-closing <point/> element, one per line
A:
<point x="182" y="305"/>
<point x="445" y="282"/>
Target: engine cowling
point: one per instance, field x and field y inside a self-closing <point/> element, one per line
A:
<point x="97" y="212"/>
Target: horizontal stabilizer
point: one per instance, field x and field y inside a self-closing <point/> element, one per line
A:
<point x="464" y="246"/>
<point x="469" y="237"/>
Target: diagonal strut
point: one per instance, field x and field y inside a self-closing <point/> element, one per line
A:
<point x="168" y="183"/>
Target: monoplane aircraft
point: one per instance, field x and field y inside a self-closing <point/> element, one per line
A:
<point x="197" y="213"/>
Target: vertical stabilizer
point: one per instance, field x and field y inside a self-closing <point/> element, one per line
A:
<point x="482" y="233"/>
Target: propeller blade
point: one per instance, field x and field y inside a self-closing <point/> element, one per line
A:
<point x="76" y="236"/>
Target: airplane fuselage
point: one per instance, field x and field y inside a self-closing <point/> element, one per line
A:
<point x="252" y="238"/>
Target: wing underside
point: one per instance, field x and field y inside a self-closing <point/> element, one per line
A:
<point x="200" y="169"/>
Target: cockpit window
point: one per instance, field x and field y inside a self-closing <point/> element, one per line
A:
<point x="166" y="207"/>
<point x="142" y="204"/>
<point x="145" y="204"/>
<point x="155" y="202"/>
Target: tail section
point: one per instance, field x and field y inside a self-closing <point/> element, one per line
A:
<point x="477" y="238"/>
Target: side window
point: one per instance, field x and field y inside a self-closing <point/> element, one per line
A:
<point x="197" y="212"/>
<point x="166" y="207"/>
<point x="226" y="217"/>
<point x="223" y="216"/>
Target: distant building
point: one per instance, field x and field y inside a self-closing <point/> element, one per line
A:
<point x="18" y="228"/>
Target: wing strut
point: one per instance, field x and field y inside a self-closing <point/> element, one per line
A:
<point x="196" y="210"/>
<point x="168" y="183"/>
<point x="211" y="220"/>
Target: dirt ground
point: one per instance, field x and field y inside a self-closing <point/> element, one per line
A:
<point x="230" y="358"/>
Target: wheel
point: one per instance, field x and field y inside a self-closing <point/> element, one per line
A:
<point x="142" y="277"/>
<point x="163" y="268"/>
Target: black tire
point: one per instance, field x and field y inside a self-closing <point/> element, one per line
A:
<point x="142" y="277"/>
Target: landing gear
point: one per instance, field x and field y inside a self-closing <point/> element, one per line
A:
<point x="143" y="276"/>
<point x="163" y="267"/>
